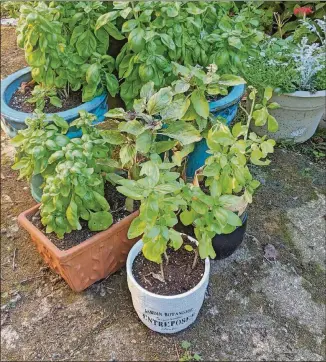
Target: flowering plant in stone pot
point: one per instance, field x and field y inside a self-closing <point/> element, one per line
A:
<point x="166" y="278"/>
<point x="222" y="189"/>
<point x="80" y="227"/>
<point x="294" y="68"/>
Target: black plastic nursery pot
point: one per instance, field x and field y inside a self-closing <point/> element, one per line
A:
<point x="226" y="244"/>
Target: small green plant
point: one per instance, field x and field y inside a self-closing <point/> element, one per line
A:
<point x="232" y="40"/>
<point x="224" y="186"/>
<point x="291" y="64"/>
<point x="41" y="94"/>
<point x="73" y="171"/>
<point x="260" y="111"/>
<point x="319" y="154"/>
<point x="75" y="189"/>
<point x="65" y="50"/>
<point x="159" y="191"/>
<point x="154" y="125"/>
<point x="198" y="85"/>
<point x="188" y="355"/>
<point x="270" y="67"/>
<point x="35" y="144"/>
<point x="158" y="33"/>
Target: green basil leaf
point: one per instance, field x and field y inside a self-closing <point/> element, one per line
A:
<point x="182" y="131"/>
<point x="200" y="103"/>
<point x="159" y="100"/>
<point x="112" y="84"/>
<point x="136" y="228"/>
<point x="100" y="220"/>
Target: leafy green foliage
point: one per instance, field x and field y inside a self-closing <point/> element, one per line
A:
<point x="272" y="68"/>
<point x="64" y="48"/>
<point x="199" y="85"/>
<point x="261" y="113"/>
<point x="75" y="188"/>
<point x="138" y="133"/>
<point x="158" y="33"/>
<point x="11" y="8"/>
<point x="233" y="38"/>
<point x="159" y="193"/>
<point x="72" y="169"/>
<point x="41" y="94"/>
<point x="188" y="355"/>
<point x="226" y="185"/>
<point x="37" y="143"/>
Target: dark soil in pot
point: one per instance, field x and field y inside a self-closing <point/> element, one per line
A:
<point x="117" y="204"/>
<point x="211" y="98"/>
<point x="19" y="101"/>
<point x="214" y="98"/>
<point x="179" y="277"/>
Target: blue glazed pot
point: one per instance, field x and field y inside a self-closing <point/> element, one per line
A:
<point x="36" y="189"/>
<point x="225" y="107"/>
<point x="12" y="120"/>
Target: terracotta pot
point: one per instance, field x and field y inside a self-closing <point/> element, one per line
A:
<point x="92" y="260"/>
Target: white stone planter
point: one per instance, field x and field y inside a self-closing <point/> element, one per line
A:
<point x="165" y="314"/>
<point x="298" y="117"/>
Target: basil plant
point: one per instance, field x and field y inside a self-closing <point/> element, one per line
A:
<point x="158" y="33"/>
<point x="198" y="86"/>
<point x="233" y="39"/>
<point x="159" y="190"/>
<point x="65" y="51"/>
<point x="73" y="171"/>
<point x="224" y="186"/>
<point x="35" y="145"/>
<point x="75" y="190"/>
<point x="154" y="125"/>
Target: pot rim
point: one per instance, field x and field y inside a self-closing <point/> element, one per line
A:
<point x="76" y="249"/>
<point x="130" y="275"/>
<point x="19" y="116"/>
<point x="305" y="94"/>
<point x="233" y="97"/>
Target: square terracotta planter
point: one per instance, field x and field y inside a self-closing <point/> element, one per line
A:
<point x="91" y="260"/>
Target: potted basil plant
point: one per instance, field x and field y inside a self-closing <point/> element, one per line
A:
<point x="216" y="211"/>
<point x="166" y="277"/>
<point x="80" y="227"/>
<point x="210" y="94"/>
<point x="69" y="69"/>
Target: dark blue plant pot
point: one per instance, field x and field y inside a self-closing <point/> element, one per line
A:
<point x="225" y="107"/>
<point x="12" y="120"/>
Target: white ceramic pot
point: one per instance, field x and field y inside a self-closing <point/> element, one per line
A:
<point x="165" y="314"/>
<point x="298" y="117"/>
